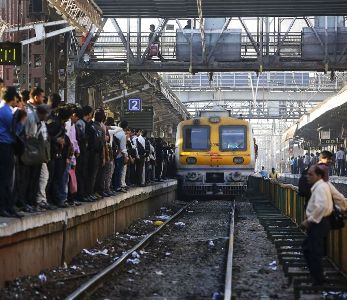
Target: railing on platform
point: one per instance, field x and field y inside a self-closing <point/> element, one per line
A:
<point x="286" y="198"/>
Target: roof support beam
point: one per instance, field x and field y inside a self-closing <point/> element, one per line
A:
<point x="125" y="93"/>
<point x="123" y="39"/>
<point x="86" y="43"/>
<point x="285" y="36"/>
<point x="309" y="24"/>
<point x="79" y="13"/>
<point x="255" y="46"/>
<point x="40" y="31"/>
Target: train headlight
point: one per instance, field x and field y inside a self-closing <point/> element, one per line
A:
<point x="214" y="119"/>
<point x="236" y="176"/>
<point x="191" y="160"/>
<point x="193" y="176"/>
<point x="238" y="160"/>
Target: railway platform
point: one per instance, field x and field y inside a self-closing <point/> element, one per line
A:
<point x="54" y="237"/>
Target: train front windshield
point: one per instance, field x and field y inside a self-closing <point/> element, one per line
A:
<point x="233" y="138"/>
<point x="196" y="138"/>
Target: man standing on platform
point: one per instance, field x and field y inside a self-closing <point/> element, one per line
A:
<point x="340" y="160"/>
<point x="121" y="155"/>
<point x="7" y="153"/>
<point x="317" y="223"/>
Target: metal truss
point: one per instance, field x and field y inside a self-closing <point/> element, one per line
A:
<point x="282" y="95"/>
<point x="276" y="45"/>
<point x="3" y="27"/>
<point x="81" y="14"/>
<point x="161" y="86"/>
<point x="238" y="81"/>
<point x="214" y="8"/>
<point x="286" y="110"/>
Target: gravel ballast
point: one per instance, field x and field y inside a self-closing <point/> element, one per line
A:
<point x="256" y="273"/>
<point x="186" y="261"/>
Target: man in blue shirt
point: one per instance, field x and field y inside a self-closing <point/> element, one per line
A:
<point x="264" y="173"/>
<point x="9" y="95"/>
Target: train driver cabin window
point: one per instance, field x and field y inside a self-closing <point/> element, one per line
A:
<point x="233" y="138"/>
<point x="196" y="138"/>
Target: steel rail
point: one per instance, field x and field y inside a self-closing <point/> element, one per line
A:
<point x="229" y="267"/>
<point x="90" y="286"/>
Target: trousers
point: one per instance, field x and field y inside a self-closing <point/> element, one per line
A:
<point x="313" y="248"/>
<point x="6" y="176"/>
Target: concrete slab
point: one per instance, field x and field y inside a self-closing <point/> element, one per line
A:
<point x="48" y="239"/>
<point x="10" y="226"/>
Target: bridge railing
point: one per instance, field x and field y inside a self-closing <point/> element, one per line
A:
<point x="286" y="198"/>
<point x="109" y="46"/>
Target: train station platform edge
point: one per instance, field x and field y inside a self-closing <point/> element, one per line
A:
<point x="49" y="239"/>
<point x="10" y="226"/>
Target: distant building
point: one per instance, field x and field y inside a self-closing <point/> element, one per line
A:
<point x="42" y="69"/>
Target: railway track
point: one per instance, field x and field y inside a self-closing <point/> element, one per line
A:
<point x="212" y="243"/>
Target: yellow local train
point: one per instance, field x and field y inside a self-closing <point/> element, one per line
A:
<point x="214" y="155"/>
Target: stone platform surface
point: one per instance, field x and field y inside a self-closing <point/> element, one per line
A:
<point x="48" y="239"/>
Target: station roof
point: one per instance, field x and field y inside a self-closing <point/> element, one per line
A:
<point x="221" y="8"/>
<point x="331" y="113"/>
<point x="168" y="111"/>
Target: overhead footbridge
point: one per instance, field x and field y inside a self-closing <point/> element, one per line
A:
<point x="213" y="8"/>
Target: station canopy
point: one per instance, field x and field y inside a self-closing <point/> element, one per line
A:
<point x="221" y="8"/>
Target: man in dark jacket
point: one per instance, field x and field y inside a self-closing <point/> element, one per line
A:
<point x="59" y="154"/>
<point x="85" y="116"/>
<point x="95" y="137"/>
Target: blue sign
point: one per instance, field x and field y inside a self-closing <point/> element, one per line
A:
<point x="135" y="104"/>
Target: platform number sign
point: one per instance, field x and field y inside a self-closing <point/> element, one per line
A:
<point x="135" y="105"/>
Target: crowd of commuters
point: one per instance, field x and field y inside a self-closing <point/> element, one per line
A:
<point x="54" y="154"/>
<point x="337" y="167"/>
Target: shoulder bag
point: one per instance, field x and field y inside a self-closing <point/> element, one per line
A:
<point x="336" y="218"/>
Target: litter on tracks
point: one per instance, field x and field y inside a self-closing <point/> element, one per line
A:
<point x="135" y="255"/>
<point x="134" y="261"/>
<point x="180" y="224"/>
<point x="147" y="222"/>
<point x="43" y="278"/>
<point x="103" y="252"/>
<point x="162" y="217"/>
<point x="273" y="265"/>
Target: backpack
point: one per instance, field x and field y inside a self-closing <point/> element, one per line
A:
<point x="140" y="149"/>
<point x="97" y="138"/>
<point x="147" y="147"/>
<point x="304" y="186"/>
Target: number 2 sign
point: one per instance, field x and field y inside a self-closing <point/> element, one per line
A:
<point x="134" y="104"/>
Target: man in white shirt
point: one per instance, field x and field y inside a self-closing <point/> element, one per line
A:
<point x="140" y="163"/>
<point x="340" y="160"/>
<point x="317" y="224"/>
<point x="121" y="159"/>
